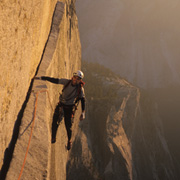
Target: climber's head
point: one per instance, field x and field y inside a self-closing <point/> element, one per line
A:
<point x="77" y="76"/>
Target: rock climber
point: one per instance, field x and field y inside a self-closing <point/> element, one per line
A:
<point x="72" y="92"/>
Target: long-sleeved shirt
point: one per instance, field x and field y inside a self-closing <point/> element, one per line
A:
<point x="70" y="93"/>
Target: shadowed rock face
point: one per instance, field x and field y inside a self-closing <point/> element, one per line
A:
<point x="139" y="40"/>
<point x="122" y="137"/>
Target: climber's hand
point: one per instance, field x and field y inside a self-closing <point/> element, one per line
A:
<point x="82" y="117"/>
<point x="39" y="78"/>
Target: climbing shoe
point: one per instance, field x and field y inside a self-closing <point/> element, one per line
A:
<point x="53" y="140"/>
<point x="69" y="144"/>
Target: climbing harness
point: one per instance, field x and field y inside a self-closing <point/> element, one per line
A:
<point x="76" y="99"/>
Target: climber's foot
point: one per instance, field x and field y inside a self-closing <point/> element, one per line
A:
<point x="53" y="140"/>
<point x="69" y="144"/>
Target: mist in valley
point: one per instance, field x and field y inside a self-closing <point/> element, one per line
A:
<point x="139" y="40"/>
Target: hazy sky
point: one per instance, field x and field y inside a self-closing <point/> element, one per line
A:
<point x="138" y="39"/>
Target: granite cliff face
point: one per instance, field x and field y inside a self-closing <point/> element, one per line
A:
<point x="24" y="31"/>
<point x="121" y="138"/>
<point x="33" y="42"/>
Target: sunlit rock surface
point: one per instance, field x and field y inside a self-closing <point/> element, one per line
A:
<point x="25" y="26"/>
<point x="27" y="38"/>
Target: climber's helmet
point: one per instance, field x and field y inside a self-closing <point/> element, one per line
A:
<point x="79" y="74"/>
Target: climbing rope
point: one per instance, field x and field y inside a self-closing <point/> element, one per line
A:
<point x="33" y="122"/>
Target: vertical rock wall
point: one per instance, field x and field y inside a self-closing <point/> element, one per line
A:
<point x="60" y="56"/>
<point x="24" y="29"/>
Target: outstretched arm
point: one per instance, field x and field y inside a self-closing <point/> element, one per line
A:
<point x="50" y="79"/>
<point x="53" y="80"/>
